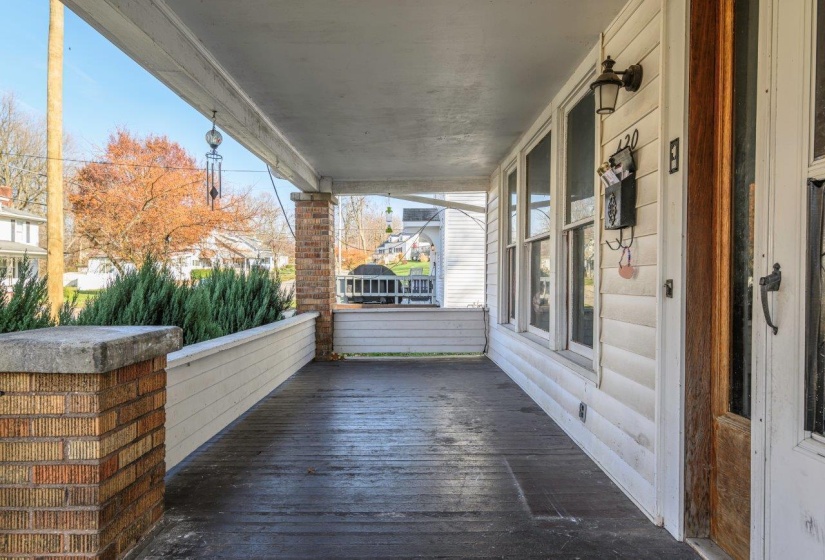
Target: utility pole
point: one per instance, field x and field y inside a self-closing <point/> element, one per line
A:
<point x="54" y="152"/>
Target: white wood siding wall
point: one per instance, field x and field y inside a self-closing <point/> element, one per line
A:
<point x="628" y="307"/>
<point x="443" y="330"/>
<point x="492" y="265"/>
<point x="619" y="432"/>
<point x="212" y="383"/>
<point x="463" y="254"/>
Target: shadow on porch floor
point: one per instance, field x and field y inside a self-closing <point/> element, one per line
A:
<point x="439" y="458"/>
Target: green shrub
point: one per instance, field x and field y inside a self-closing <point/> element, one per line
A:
<point x="221" y="303"/>
<point x="27" y="306"/>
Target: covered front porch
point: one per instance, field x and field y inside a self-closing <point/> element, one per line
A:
<point x="401" y="458"/>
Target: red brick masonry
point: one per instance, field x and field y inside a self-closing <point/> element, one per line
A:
<point x="315" y="263"/>
<point x="81" y="461"/>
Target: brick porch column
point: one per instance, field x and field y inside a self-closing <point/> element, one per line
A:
<point x="315" y="263"/>
<point x="82" y="439"/>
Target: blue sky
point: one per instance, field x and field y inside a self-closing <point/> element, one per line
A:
<point x="103" y="89"/>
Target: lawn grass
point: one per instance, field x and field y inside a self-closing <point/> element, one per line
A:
<point x="83" y="296"/>
<point x="404" y="268"/>
<point x="287" y="272"/>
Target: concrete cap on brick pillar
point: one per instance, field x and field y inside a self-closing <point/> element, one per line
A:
<point x="84" y="349"/>
<point x="311" y="197"/>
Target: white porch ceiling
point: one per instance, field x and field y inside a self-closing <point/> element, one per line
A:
<point x="419" y="93"/>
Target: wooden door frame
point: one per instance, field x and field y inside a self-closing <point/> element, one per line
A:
<point x="708" y="333"/>
<point x="700" y="252"/>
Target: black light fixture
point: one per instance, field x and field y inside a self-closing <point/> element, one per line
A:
<point x="213" y="164"/>
<point x="607" y="85"/>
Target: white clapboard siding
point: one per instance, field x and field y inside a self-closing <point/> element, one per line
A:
<point x="628" y="307"/>
<point x="619" y="432"/>
<point x="212" y="383"/>
<point x="363" y="331"/>
<point x="464" y="242"/>
<point x="491" y="277"/>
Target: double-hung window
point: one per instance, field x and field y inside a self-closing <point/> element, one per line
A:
<point x="579" y="227"/>
<point x="537" y="235"/>
<point x="511" y="245"/>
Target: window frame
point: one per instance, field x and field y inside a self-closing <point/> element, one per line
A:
<point x="509" y="285"/>
<point x="564" y="342"/>
<point x="527" y="242"/>
<point x="565" y="238"/>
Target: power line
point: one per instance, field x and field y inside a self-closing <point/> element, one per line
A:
<point x="126" y="164"/>
<point x="286" y="219"/>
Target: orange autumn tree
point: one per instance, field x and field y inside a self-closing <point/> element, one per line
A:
<point x="147" y="196"/>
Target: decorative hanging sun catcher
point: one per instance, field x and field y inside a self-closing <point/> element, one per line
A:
<point x="389" y="215"/>
<point x="213" y="164"/>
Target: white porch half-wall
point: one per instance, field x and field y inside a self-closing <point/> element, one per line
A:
<point x="430" y="330"/>
<point x="212" y="383"/>
<point x="625" y="423"/>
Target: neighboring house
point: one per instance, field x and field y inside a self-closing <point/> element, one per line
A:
<point x="19" y="237"/>
<point x="407" y="245"/>
<point x="425" y="225"/>
<point x="239" y="252"/>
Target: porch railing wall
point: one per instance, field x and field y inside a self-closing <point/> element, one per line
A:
<point x="422" y="330"/>
<point x="212" y="383"/>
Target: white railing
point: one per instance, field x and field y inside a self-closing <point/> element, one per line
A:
<point x="413" y="289"/>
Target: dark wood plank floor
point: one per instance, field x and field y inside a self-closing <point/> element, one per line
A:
<point x="442" y="458"/>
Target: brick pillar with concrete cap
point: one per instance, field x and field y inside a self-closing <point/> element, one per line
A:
<point x="315" y="263"/>
<point x="82" y="439"/>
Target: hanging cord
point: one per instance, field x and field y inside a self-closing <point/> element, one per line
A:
<point x="281" y="204"/>
<point x="486" y="329"/>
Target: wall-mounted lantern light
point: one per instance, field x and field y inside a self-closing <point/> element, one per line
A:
<point x="607" y="85"/>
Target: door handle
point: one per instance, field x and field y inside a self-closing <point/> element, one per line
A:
<point x="770" y="283"/>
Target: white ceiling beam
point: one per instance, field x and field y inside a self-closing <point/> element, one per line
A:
<point x="439" y="202"/>
<point x="151" y="34"/>
<point x="411" y="186"/>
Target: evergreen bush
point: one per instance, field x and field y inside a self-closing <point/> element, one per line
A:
<point x="27" y="305"/>
<point x="222" y="303"/>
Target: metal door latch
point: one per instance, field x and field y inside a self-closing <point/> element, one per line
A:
<point x="770" y="283"/>
<point x="668" y="288"/>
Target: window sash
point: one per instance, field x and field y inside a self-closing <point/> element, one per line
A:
<point x="512" y="206"/>
<point x="580" y="161"/>
<point x="539" y="302"/>
<point x="538" y="197"/>
<point x="511" y="280"/>
<point x="577" y="294"/>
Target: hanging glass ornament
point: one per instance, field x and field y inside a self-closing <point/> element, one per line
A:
<point x="213" y="165"/>
<point x="389" y="215"/>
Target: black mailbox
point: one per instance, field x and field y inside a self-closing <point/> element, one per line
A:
<point x="620" y="204"/>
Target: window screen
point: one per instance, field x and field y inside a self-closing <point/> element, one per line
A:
<point x="581" y="161"/>
<point x="538" y="188"/>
